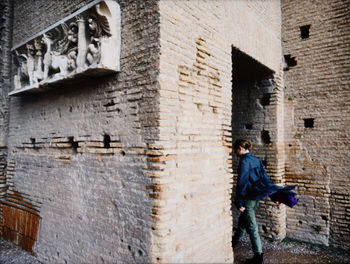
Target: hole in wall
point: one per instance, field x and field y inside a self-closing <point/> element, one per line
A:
<point x="264" y="229"/>
<point x="317" y="228"/>
<point x="111" y="103"/>
<point x="33" y="142"/>
<point x="106" y="141"/>
<point x="265" y="99"/>
<point x="289" y="61"/>
<point x="309" y="122"/>
<point x="305" y="32"/>
<point x="248" y="126"/>
<point x="301" y="222"/>
<point x="74" y="144"/>
<point x="265" y="137"/>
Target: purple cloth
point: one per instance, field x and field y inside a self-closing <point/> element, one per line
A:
<point x="285" y="197"/>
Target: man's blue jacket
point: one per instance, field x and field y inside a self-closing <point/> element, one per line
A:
<point x="254" y="183"/>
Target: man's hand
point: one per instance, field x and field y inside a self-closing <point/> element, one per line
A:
<point x="241" y="209"/>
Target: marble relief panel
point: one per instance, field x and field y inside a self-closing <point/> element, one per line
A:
<point x="86" y="43"/>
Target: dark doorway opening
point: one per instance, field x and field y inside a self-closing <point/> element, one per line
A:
<point x="252" y="87"/>
<point x="252" y="98"/>
<point x="255" y="102"/>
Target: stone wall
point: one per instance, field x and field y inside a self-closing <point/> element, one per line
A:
<point x="196" y="171"/>
<point x="80" y="155"/>
<point x="316" y="46"/>
<point x="5" y="65"/>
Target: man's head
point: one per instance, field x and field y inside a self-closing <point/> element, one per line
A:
<point x="241" y="147"/>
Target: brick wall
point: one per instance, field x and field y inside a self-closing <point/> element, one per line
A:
<point x="5" y="65"/>
<point x="138" y="166"/>
<point x="317" y="119"/>
<point x="195" y="123"/>
<point x="80" y="155"/>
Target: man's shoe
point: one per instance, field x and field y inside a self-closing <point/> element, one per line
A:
<point x="257" y="259"/>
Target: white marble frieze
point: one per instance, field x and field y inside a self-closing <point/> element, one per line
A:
<point x="84" y="44"/>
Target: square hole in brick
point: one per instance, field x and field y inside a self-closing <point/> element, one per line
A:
<point x="106" y="141"/>
<point x="248" y="126"/>
<point x="74" y="144"/>
<point x="290" y="61"/>
<point x="305" y="32"/>
<point x="309" y="122"/>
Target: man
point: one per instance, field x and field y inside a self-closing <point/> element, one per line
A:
<point x="253" y="184"/>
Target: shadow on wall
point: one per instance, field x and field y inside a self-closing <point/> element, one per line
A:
<point x="252" y="88"/>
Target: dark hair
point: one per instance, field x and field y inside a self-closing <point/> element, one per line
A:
<point x="242" y="143"/>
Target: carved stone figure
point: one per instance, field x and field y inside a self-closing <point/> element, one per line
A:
<point x="93" y="51"/>
<point x="31" y="64"/>
<point x="53" y="60"/>
<point x="88" y="40"/>
<point x="22" y="70"/>
<point x="98" y="28"/>
<point x="38" y="73"/>
<point x="73" y="49"/>
<point x="82" y="43"/>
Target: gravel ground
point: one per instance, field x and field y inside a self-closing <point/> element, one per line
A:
<point x="290" y="252"/>
<point x="11" y="254"/>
